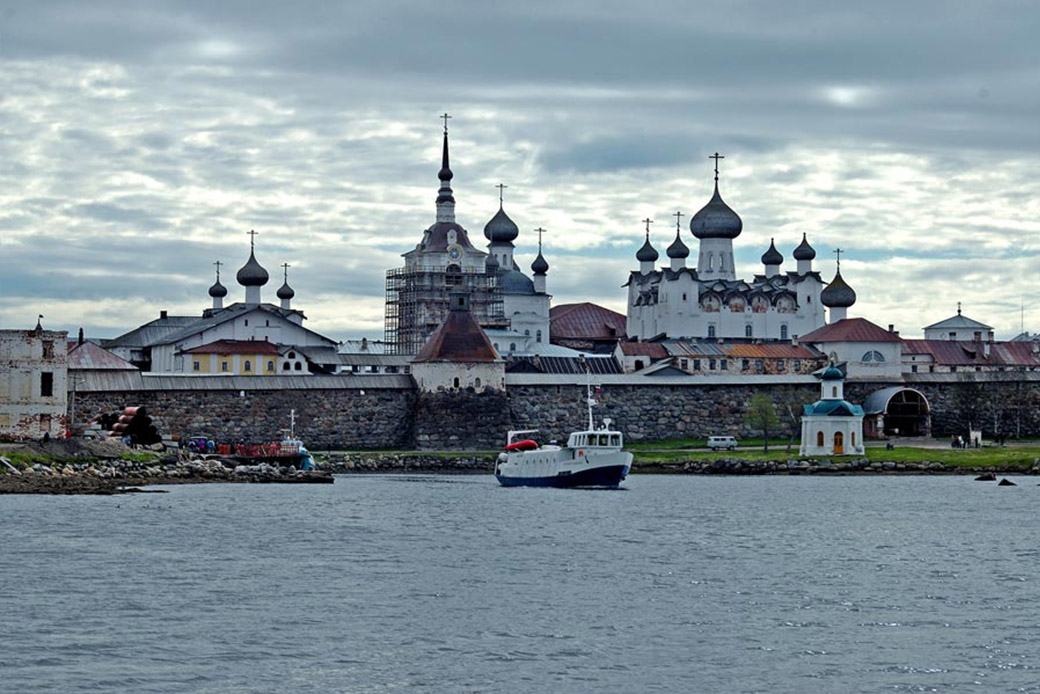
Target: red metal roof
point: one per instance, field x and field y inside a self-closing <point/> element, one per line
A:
<point x="770" y="351"/>
<point x="850" y="330"/>
<point x="971" y="353"/>
<point x="654" y="350"/>
<point x="458" y="339"/>
<point x="586" y="320"/>
<point x="235" y="347"/>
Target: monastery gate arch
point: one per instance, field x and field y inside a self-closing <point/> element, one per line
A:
<point x="897" y="411"/>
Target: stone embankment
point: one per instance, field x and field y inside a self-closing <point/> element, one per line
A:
<point x="346" y="463"/>
<point x="737" y="466"/>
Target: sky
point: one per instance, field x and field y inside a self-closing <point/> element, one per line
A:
<point x="140" y="142"/>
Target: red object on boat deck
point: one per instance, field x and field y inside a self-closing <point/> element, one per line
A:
<point x="525" y="445"/>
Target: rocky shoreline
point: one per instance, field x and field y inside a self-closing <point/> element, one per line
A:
<point x="117" y="476"/>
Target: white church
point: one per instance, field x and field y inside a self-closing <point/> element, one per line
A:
<point x="708" y="301"/>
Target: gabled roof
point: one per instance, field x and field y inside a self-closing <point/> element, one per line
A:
<point x="850" y="330"/>
<point x="972" y="353"/>
<point x="958" y="322"/>
<point x="235" y="347"/>
<point x="832" y="408"/>
<point x="585" y="321"/>
<point x="90" y="356"/>
<point x="230" y="313"/>
<point x="654" y="350"/>
<point x="150" y="332"/>
<point x="458" y="339"/>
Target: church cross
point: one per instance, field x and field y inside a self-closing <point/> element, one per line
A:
<point x="958" y="308"/>
<point x="285" y="271"/>
<point x="539" y="231"/>
<point x="501" y="187"/>
<point x="252" y="237"/>
<point x="445" y="117"/>
<point x="218" y="264"/>
<point x="716" y="157"/>
<point x="648" y="222"/>
<point x="678" y="219"/>
<point x="837" y="254"/>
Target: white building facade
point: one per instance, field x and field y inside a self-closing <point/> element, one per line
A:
<point x="832" y="425"/>
<point x="33" y="383"/>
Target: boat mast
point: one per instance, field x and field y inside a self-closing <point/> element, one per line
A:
<point x="292" y="425"/>
<point x="588" y="392"/>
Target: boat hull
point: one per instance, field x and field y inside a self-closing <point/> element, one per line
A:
<point x="604" y="476"/>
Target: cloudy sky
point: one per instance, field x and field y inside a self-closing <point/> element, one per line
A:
<point x="139" y="142"/>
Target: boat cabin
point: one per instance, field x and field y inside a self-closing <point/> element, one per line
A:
<point x="595" y="439"/>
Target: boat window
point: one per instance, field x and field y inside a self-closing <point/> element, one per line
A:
<point x="615" y="440"/>
<point x="603" y="440"/>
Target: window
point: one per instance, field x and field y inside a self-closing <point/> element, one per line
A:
<point x="684" y="296"/>
<point x="292" y="355"/>
<point x="796" y="365"/>
<point x="267" y="324"/>
<point x="853" y="439"/>
<point x="819" y="439"/>
<point x="781" y="365"/>
<point x="247" y="365"/>
<point x="476" y="383"/>
<point x="512" y="346"/>
<point x="684" y="364"/>
<point x="711" y="330"/>
<point x="298" y="366"/>
<point x="913" y="369"/>
<point x="783" y="331"/>
<point x="196" y="366"/>
<point x="286" y="366"/>
<point x="246" y="321"/>
<point x="455" y="381"/>
<point x="745" y="364"/>
<point x="223" y="366"/>
<point x="639" y="364"/>
<point x="270" y="366"/>
<point x="724" y="365"/>
<point x="48" y="349"/>
<point x="747" y="331"/>
<point x="834" y="391"/>
<point x="758" y="365"/>
<point x="538" y="336"/>
<point x="873" y="355"/>
<point x="355" y="369"/>
<point x="696" y="364"/>
<point x="452" y="276"/>
<point x="953" y="336"/>
<point x="46" y="384"/>
<point x="711" y="365"/>
<point x="527" y="333"/>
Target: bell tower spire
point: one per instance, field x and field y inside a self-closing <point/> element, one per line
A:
<point x="445" y="198"/>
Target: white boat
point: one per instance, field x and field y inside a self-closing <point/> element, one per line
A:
<point x="591" y="458"/>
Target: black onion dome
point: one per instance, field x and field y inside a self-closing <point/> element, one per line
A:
<point x="678" y="249"/>
<point x="501" y="228"/>
<point x="837" y="294"/>
<point x="646" y="254"/>
<point x="772" y="256"/>
<point x="716" y="220"/>
<point x="218" y="290"/>
<point x="285" y="291"/>
<point x="804" y="250"/>
<point x="540" y="266"/>
<point x="252" y="273"/>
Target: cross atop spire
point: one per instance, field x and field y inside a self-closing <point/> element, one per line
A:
<point x="252" y="238"/>
<point x="648" y="222"/>
<point x="501" y="187"/>
<point x="958" y="308"/>
<point x="218" y="264"/>
<point x="837" y="254"/>
<point x="539" y="231"/>
<point x="285" y="271"/>
<point x="445" y="117"/>
<point x="716" y="157"/>
<point x="678" y="220"/>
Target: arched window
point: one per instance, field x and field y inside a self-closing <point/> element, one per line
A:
<point x="512" y="346"/>
<point x="270" y="366"/>
<point x="839" y="442"/>
<point x="711" y="330"/>
<point x="783" y="331"/>
<point x="298" y="366"/>
<point x="834" y="391"/>
<point x="747" y="331"/>
<point x="527" y="333"/>
<point x="456" y="382"/>
<point x="711" y="261"/>
<point x="538" y="336"/>
<point x="286" y="366"/>
<point x="292" y="355"/>
<point x="873" y="355"/>
<point x="853" y="439"/>
<point x="476" y="383"/>
<point x="247" y="365"/>
<point x="819" y="439"/>
<point x="452" y="275"/>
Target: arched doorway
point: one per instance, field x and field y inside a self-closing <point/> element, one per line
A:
<point x="839" y="443"/>
<point x="897" y="411"/>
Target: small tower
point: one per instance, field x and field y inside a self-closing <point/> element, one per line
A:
<point x="838" y="296"/>
<point x="772" y="260"/>
<point x="285" y="292"/>
<point x="218" y="291"/>
<point x="804" y="254"/>
<point x="716" y="225"/>
<point x="647" y="255"/>
<point x="832" y="425"/>
<point x="678" y="252"/>
<point x="501" y="231"/>
<point x="252" y="275"/>
<point x="445" y="198"/>
<point x="540" y="266"/>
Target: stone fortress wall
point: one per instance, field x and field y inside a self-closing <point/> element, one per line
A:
<point x="400" y="417"/>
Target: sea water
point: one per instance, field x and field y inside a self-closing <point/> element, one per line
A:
<point x="454" y="584"/>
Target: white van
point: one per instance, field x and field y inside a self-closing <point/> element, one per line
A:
<point x="725" y="442"/>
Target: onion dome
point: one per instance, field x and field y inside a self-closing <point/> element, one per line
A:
<point x="647" y="254"/>
<point x="491" y="264"/>
<point x="772" y="256"/>
<point x="837" y="294"/>
<point x="516" y="282"/>
<point x="540" y="266"/>
<point x="804" y="250"/>
<point x="678" y="249"/>
<point x="252" y="273"/>
<point x="501" y="228"/>
<point x="218" y="290"/>
<point x="285" y="291"/>
<point x="716" y="220"/>
<point x="832" y="373"/>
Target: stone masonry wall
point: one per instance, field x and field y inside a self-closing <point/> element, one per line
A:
<point x="324" y="418"/>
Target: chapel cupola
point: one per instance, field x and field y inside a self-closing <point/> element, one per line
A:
<point x="647" y="254"/>
<point x="285" y="292"/>
<point x="540" y="266"/>
<point x="501" y="231"/>
<point x="716" y="225"/>
<point x="218" y="291"/>
<point x="838" y="296"/>
<point x="252" y="275"/>
<point x="772" y="260"/>
<point x="804" y="254"/>
<point x="678" y="252"/>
